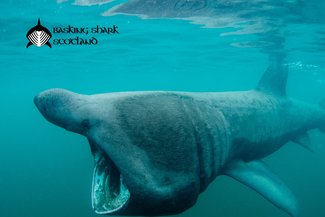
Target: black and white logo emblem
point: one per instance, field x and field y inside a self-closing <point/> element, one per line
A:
<point x="39" y="35"/>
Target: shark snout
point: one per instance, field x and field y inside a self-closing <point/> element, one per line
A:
<point x="53" y="103"/>
<point x="63" y="108"/>
<point x="39" y="102"/>
<point x="36" y="101"/>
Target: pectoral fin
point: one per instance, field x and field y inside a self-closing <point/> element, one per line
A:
<point x="257" y="176"/>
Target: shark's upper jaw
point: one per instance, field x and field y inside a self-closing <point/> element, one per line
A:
<point x="109" y="193"/>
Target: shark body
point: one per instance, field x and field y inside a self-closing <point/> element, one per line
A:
<point x="156" y="151"/>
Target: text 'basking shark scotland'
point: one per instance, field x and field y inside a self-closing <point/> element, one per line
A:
<point x="156" y="151"/>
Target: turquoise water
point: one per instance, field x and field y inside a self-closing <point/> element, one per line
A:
<point x="47" y="171"/>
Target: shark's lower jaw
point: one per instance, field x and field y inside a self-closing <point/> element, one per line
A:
<point x="109" y="193"/>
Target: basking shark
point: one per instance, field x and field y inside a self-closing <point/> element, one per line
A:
<point x="156" y="151"/>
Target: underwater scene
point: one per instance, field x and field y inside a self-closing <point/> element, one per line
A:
<point x="162" y="107"/>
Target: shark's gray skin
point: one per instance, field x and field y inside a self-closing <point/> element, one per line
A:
<point x="156" y="151"/>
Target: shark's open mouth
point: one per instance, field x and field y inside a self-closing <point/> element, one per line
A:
<point x="109" y="193"/>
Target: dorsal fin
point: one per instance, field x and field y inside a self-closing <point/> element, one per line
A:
<point x="274" y="79"/>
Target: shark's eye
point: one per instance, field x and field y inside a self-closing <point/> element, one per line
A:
<point x="85" y="123"/>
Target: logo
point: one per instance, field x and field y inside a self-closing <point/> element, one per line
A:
<point x="68" y="35"/>
<point x="39" y="36"/>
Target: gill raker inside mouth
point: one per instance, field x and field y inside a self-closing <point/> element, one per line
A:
<point x="109" y="193"/>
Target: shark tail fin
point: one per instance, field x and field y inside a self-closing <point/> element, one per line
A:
<point x="274" y="79"/>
